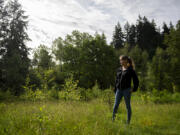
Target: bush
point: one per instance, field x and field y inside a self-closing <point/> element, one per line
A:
<point x="33" y="95"/>
<point x="70" y="90"/>
<point x="4" y="95"/>
<point x="108" y="97"/>
<point x="53" y="93"/>
<point x="163" y="96"/>
<point x="145" y="97"/>
<point x="176" y="97"/>
<point x="96" y="92"/>
<point x="29" y="94"/>
<point x="84" y="94"/>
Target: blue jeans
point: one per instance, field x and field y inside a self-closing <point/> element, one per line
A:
<point x="127" y="96"/>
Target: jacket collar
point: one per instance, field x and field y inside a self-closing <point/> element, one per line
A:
<point x="129" y="68"/>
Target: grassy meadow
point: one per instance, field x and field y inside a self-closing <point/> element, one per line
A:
<point x="57" y="77"/>
<point x="60" y="117"/>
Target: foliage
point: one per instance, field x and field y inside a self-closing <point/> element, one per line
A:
<point x="5" y="95"/>
<point x="159" y="71"/>
<point x="108" y="97"/>
<point x="118" y="37"/>
<point x="84" y="56"/>
<point x="172" y="41"/>
<point x="162" y="97"/>
<point x="89" y="58"/>
<point x="14" y="59"/>
<point x="31" y="95"/>
<point x="42" y="58"/>
<point x="94" y="117"/>
<point x="140" y="59"/>
<point x="70" y="89"/>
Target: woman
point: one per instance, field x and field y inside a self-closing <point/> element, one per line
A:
<point x="123" y="85"/>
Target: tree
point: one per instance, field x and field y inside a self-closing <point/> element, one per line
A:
<point x="127" y="32"/>
<point x="140" y="58"/>
<point x="173" y="48"/>
<point x="58" y="51"/>
<point x="98" y="63"/>
<point x="148" y="38"/>
<point x="42" y="58"/>
<point x="132" y="36"/>
<point x="76" y="38"/>
<point x="2" y="35"/>
<point x="87" y="58"/>
<point x="72" y="43"/>
<point x="171" y="26"/>
<point x="15" y="61"/>
<point x="159" y="71"/>
<point x="118" y="37"/>
<point x="166" y="31"/>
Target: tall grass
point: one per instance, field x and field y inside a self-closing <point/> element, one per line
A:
<point x="60" y="117"/>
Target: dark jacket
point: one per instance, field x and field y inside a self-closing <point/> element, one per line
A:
<point x="123" y="81"/>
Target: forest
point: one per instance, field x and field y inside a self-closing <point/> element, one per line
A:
<point x="81" y="68"/>
<point x="88" y="58"/>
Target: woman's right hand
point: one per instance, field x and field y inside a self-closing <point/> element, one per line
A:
<point x="131" y="90"/>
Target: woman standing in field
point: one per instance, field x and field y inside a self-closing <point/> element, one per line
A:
<point x="123" y="85"/>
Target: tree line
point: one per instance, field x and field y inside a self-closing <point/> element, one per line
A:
<point x="89" y="58"/>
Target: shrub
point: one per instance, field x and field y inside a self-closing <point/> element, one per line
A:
<point x="53" y="93"/>
<point x="163" y="96"/>
<point x="96" y="92"/>
<point x="160" y="96"/>
<point x="29" y="94"/>
<point x="145" y="97"/>
<point x="4" y="95"/>
<point x="70" y="90"/>
<point x="176" y="97"/>
<point x="108" y="97"/>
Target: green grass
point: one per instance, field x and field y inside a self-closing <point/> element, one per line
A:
<point x="87" y="118"/>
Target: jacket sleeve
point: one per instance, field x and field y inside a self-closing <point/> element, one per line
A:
<point x="135" y="81"/>
<point x="115" y="85"/>
<point x="116" y="81"/>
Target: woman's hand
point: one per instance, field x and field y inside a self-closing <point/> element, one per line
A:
<point x="114" y="90"/>
<point x="131" y="90"/>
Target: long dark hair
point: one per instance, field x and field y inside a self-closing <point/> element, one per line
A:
<point x="129" y="60"/>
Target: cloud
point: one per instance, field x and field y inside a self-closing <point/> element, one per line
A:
<point x="49" y="19"/>
<point x="160" y="10"/>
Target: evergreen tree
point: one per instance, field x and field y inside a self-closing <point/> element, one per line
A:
<point x="159" y="71"/>
<point x="141" y="65"/>
<point x="165" y="31"/>
<point x="2" y="36"/>
<point x="148" y="38"/>
<point x="127" y="32"/>
<point x="171" y="26"/>
<point x="14" y="59"/>
<point x="132" y="36"/>
<point x="118" y="37"/>
<point x="173" y="48"/>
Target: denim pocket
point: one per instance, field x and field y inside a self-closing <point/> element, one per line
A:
<point x="128" y="89"/>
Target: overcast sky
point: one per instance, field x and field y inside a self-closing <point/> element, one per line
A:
<point x="49" y="19"/>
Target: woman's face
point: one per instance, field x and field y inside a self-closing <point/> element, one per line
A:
<point x="123" y="62"/>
